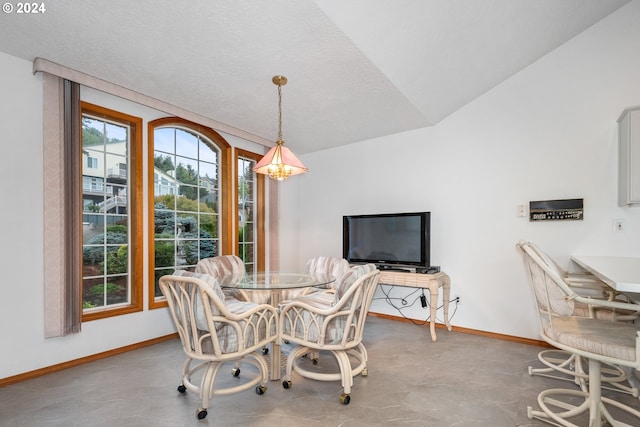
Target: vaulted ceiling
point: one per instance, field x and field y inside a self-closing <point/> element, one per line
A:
<point x="357" y="69"/>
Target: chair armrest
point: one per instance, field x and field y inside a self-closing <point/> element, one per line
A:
<point x="586" y="282"/>
<point x="315" y="324"/>
<point x="589" y="282"/>
<point x="582" y="275"/>
<point x="308" y="303"/>
<point x="251" y="310"/>
<point x="241" y="329"/>
<point x="615" y="305"/>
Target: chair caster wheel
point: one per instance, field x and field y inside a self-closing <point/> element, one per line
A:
<point x="315" y="361"/>
<point x="235" y="372"/>
<point x="345" y="399"/>
<point x="261" y="389"/>
<point x="365" y="372"/>
<point x="286" y="384"/>
<point x="182" y="388"/>
<point x="265" y="350"/>
<point x="202" y="413"/>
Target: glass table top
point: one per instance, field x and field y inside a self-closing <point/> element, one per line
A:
<point x="282" y="280"/>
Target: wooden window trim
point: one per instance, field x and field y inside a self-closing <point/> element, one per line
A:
<point x="135" y="211"/>
<point x="259" y="208"/>
<point x="226" y="193"/>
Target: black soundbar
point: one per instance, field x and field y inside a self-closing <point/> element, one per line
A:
<point x="422" y="270"/>
<point x="385" y="268"/>
<point x="428" y="270"/>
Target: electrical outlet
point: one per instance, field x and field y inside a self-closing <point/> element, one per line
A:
<point x="618" y="225"/>
<point x="456" y="299"/>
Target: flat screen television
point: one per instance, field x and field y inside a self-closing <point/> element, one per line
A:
<point x="388" y="240"/>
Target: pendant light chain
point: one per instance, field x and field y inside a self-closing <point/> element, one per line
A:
<point x="279" y="163"/>
<point x="279" y="112"/>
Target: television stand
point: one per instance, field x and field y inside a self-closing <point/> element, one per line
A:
<point x="433" y="282"/>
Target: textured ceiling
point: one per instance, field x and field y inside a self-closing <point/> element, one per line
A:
<point x="357" y="69"/>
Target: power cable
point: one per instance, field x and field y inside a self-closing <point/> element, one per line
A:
<point x="406" y="304"/>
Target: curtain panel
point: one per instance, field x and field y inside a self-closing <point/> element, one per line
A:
<point x="62" y="206"/>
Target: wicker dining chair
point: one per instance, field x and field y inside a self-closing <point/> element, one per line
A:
<point x="330" y="266"/>
<point x="564" y="365"/>
<point x="315" y="324"/>
<point x="215" y="330"/>
<point x="229" y="270"/>
<point x="595" y="340"/>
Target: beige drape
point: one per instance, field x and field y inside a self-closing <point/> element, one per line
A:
<point x="62" y="206"/>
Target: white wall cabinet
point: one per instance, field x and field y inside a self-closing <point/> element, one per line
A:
<point x="629" y="157"/>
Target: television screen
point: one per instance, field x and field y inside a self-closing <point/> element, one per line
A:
<point x="387" y="239"/>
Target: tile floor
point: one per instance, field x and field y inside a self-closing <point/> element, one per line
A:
<point x="460" y="380"/>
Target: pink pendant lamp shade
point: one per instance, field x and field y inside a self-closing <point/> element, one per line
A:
<point x="279" y="162"/>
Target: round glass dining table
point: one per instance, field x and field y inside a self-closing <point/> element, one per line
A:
<point x="282" y="280"/>
<point x="276" y="282"/>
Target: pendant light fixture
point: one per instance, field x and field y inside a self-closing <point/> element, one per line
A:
<point x="279" y="162"/>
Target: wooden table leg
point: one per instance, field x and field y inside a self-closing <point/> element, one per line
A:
<point x="433" y="305"/>
<point x="434" y="286"/>
<point x="446" y="296"/>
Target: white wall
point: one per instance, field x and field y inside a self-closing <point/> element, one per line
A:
<point x="21" y="177"/>
<point x="547" y="133"/>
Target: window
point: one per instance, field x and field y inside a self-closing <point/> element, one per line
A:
<point x="92" y="184"/>
<point x="111" y="213"/>
<point x="189" y="209"/>
<point x="250" y="211"/>
<point x="92" y="162"/>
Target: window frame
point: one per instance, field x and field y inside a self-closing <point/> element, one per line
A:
<point x="226" y="240"/>
<point x="259" y="207"/>
<point x="135" y="214"/>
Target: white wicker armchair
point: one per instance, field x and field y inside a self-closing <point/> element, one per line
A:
<point x="568" y="366"/>
<point x="587" y="285"/>
<point x="596" y="340"/>
<point x="329" y="266"/>
<point x="229" y="270"/>
<point x="215" y="330"/>
<point x="335" y="325"/>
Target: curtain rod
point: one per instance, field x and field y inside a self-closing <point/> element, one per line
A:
<point x="46" y="66"/>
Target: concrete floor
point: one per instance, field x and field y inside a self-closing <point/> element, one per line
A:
<point x="460" y="380"/>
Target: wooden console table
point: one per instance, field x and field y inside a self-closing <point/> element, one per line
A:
<point x="433" y="282"/>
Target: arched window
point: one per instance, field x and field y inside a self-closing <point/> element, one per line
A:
<point x="189" y="198"/>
